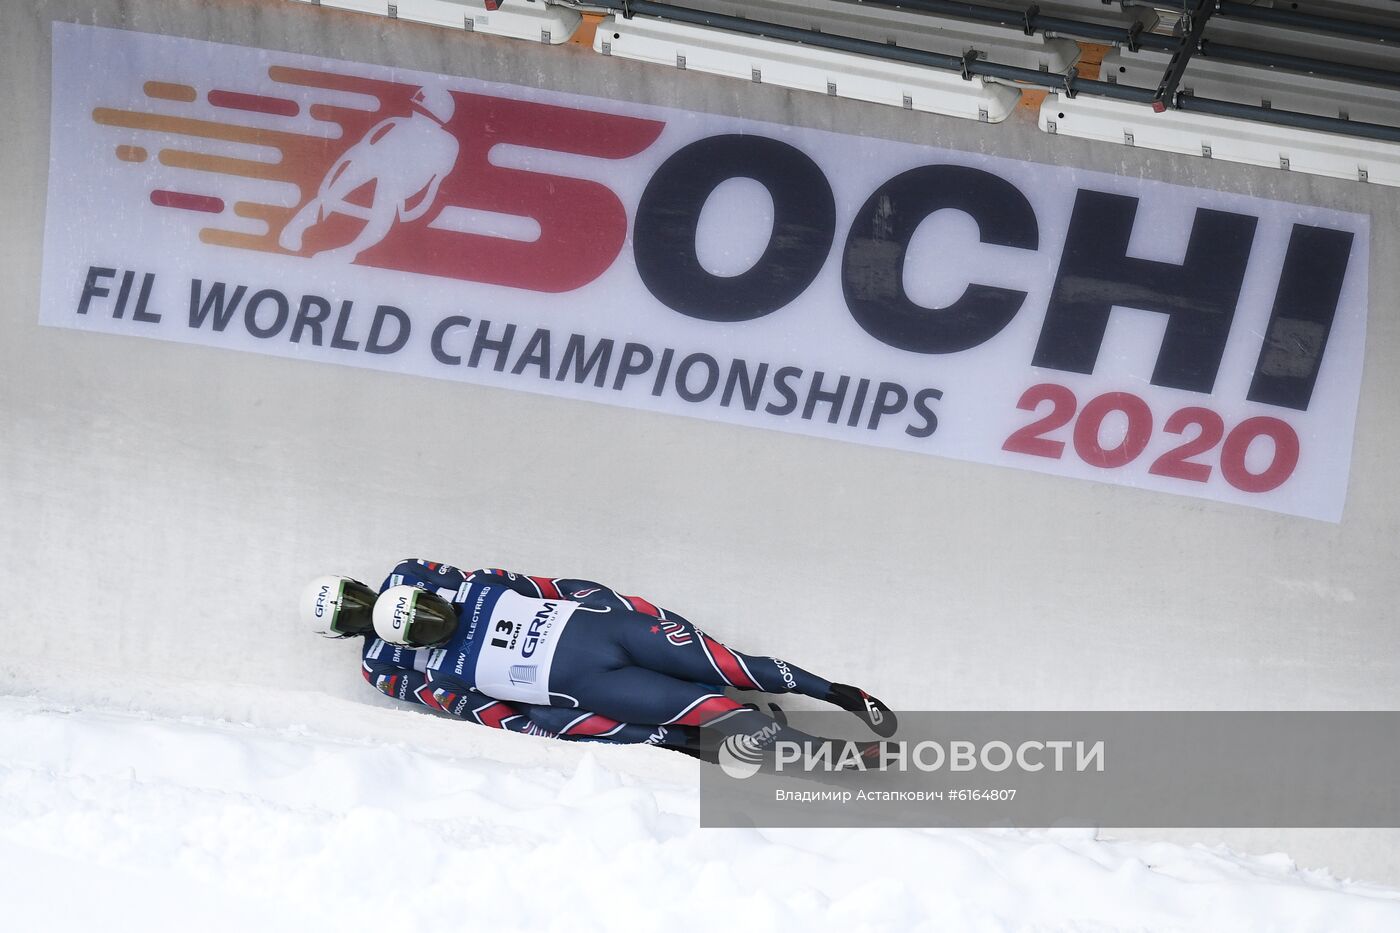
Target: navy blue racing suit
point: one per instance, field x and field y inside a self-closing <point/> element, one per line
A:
<point x="621" y="670"/>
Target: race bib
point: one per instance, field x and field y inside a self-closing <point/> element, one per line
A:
<point x="519" y="648"/>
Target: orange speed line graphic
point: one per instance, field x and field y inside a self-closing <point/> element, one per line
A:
<point x="303" y="159"/>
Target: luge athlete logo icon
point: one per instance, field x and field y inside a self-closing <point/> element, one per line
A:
<point x="398" y="167"/>
<point x="401" y="183"/>
<point x="898" y="295"/>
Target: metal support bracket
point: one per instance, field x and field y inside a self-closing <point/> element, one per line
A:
<point x="1134" y="32"/>
<point x="970" y="56"/>
<point x="1028" y="19"/>
<point x="1194" y="16"/>
<point x="1071" y="92"/>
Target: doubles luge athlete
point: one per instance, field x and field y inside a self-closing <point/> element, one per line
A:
<point x="560" y="657"/>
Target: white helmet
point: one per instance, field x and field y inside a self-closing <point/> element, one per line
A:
<point x="337" y="607"/>
<point x="407" y="615"/>
<point x="437" y="101"/>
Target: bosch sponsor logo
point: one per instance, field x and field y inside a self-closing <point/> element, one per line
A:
<point x="539" y="628"/>
<point x="785" y="673"/>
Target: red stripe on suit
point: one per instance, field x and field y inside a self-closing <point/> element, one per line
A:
<point x="547" y="588"/>
<point x="425" y="694"/>
<point x="706" y="710"/>
<point x="593" y="725"/>
<point x="493" y="714"/>
<point x="729" y="665"/>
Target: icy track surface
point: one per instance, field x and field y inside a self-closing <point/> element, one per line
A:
<point x="130" y="821"/>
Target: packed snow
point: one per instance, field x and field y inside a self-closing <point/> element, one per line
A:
<point x="117" y="818"/>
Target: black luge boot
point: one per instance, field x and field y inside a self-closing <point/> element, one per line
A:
<point x="872" y="712"/>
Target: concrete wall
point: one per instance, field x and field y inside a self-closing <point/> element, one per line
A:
<point x="178" y="497"/>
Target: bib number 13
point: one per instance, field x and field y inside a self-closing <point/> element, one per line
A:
<point x="504" y="625"/>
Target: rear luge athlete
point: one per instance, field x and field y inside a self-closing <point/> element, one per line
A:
<point x="562" y="657"/>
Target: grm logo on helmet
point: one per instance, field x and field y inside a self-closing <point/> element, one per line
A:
<point x="403" y="613"/>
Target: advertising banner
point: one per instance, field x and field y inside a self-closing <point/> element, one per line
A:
<point x="896" y="295"/>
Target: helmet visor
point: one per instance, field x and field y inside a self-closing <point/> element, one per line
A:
<point x="407" y="615"/>
<point x="355" y="613"/>
<point x="434" y="621"/>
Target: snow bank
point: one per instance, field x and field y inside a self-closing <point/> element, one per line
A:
<point x="155" y="819"/>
